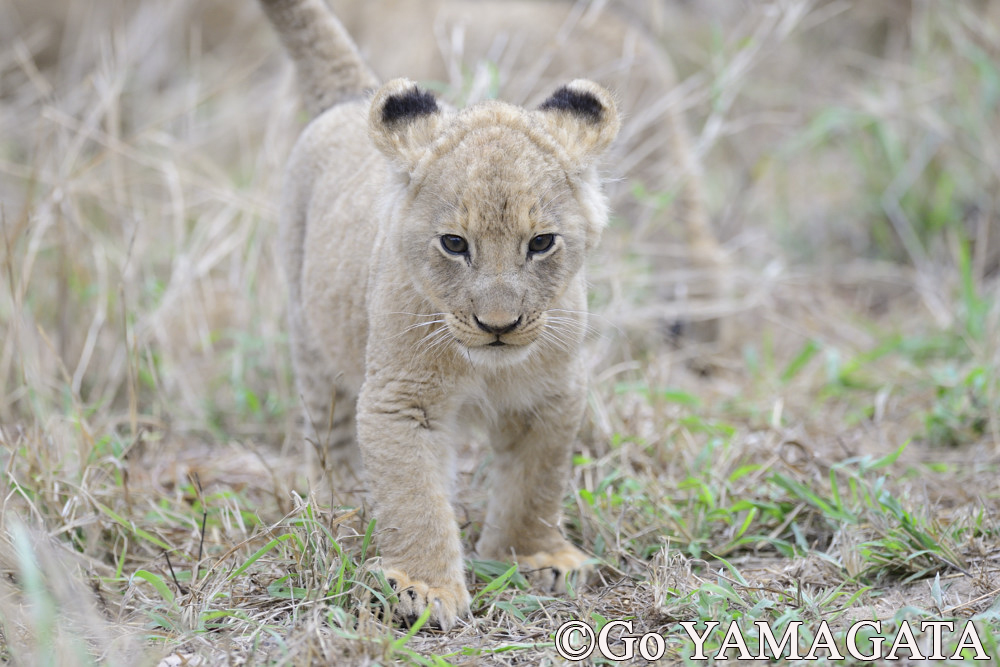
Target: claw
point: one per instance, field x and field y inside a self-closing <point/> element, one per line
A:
<point x="448" y="601"/>
<point x="548" y="570"/>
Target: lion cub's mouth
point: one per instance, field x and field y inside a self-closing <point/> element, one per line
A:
<point x="473" y="336"/>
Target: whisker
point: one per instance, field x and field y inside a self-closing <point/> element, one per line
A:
<point x="441" y="347"/>
<point x="428" y="340"/>
<point x="422" y="324"/>
<point x="568" y="320"/>
<point x="436" y="343"/>
<point x="416" y="326"/>
<point x="602" y="318"/>
<point x="434" y="340"/>
<point x="549" y="335"/>
<point x="573" y="325"/>
<point x="403" y="312"/>
<point x="569" y="326"/>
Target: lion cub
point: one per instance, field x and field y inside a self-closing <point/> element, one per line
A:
<point x="436" y="268"/>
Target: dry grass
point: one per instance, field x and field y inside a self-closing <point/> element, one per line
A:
<point x="838" y="461"/>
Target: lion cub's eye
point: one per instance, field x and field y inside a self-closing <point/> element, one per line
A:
<point x="455" y="245"/>
<point x="541" y="243"/>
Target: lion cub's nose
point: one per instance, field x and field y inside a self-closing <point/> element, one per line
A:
<point x="497" y="329"/>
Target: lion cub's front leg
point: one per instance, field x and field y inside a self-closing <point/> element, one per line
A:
<point x="409" y="462"/>
<point x="529" y="474"/>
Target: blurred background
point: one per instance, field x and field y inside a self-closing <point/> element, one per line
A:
<point x="805" y="249"/>
<point x="835" y="154"/>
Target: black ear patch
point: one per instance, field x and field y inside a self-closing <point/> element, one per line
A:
<point x="579" y="102"/>
<point x="410" y="104"/>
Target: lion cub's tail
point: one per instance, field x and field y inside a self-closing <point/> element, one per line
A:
<point x="329" y="67"/>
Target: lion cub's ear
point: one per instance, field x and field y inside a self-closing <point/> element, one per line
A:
<point x="403" y="121"/>
<point x="583" y="118"/>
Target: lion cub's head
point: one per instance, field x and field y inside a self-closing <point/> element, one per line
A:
<point x="496" y="207"/>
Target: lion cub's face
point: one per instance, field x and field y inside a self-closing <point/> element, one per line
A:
<point x="497" y="209"/>
<point x="495" y="237"/>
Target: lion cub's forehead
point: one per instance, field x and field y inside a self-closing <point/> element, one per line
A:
<point x="497" y="151"/>
<point x="495" y="179"/>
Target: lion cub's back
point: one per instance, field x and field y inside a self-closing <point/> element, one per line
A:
<point x="329" y="228"/>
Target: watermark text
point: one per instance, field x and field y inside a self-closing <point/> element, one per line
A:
<point x="616" y="640"/>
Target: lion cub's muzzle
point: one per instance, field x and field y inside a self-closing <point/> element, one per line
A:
<point x="502" y="329"/>
<point x="495" y="329"/>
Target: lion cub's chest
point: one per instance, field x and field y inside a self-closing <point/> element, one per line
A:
<point x="488" y="397"/>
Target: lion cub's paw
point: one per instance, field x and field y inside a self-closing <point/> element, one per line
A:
<point x="547" y="570"/>
<point x="448" y="603"/>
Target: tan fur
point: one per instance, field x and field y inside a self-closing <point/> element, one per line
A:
<point x="384" y="318"/>
<point x="329" y="67"/>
